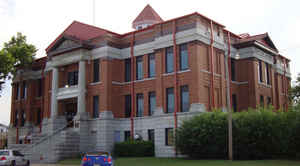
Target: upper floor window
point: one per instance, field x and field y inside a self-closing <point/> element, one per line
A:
<point x="73" y="78"/>
<point x="184" y="59"/>
<point x="95" y="106"/>
<point x="96" y="67"/>
<point x="170" y="100"/>
<point x="152" y="103"/>
<point x="24" y="90"/>
<point x="151" y="65"/>
<point x="169" y="60"/>
<point x="139" y="68"/>
<point x="40" y="87"/>
<point x="260" y="71"/>
<point x="17" y="91"/>
<point x="267" y="70"/>
<point x="184" y="96"/>
<point x="127" y="70"/>
<point x="127" y="106"/>
<point x="232" y="61"/>
<point x="140" y="105"/>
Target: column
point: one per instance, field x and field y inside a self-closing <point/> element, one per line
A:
<point x="81" y="89"/>
<point x="54" y="92"/>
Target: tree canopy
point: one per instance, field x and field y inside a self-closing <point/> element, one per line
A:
<point x="16" y="53"/>
<point x="295" y="92"/>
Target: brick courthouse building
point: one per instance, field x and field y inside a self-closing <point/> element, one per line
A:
<point x="139" y="84"/>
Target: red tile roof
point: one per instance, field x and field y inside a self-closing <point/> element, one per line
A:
<point x="82" y="32"/>
<point x="148" y="13"/>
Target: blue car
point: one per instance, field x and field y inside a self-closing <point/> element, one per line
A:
<point x="97" y="159"/>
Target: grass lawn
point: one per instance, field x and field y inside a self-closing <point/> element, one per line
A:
<point x="150" y="161"/>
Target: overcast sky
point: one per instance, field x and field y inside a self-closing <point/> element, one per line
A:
<point x="43" y="20"/>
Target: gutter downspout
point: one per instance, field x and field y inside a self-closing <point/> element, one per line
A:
<point x="132" y="86"/>
<point x="285" y="85"/>
<point x="175" y="81"/>
<point x="230" y="149"/>
<point x="212" y="66"/>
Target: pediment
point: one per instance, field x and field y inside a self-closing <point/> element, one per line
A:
<point x="65" y="44"/>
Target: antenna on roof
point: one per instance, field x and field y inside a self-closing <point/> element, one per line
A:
<point x="94" y="10"/>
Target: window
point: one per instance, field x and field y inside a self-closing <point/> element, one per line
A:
<point x="267" y="74"/>
<point x="95" y="106"/>
<point x="260" y="71"/>
<point x="169" y="136"/>
<point x="127" y="70"/>
<point x="169" y="60"/>
<point x="73" y="78"/>
<point x="23" y="117"/>
<point x="152" y="103"/>
<point x="151" y="65"/>
<point x="127" y="135"/>
<point x="38" y="117"/>
<point x="40" y="88"/>
<point x="96" y="70"/>
<point x="139" y="68"/>
<point x="151" y="135"/>
<point x="234" y="102"/>
<point x="261" y="100"/>
<point x="269" y="100"/>
<point x="184" y="98"/>
<point x="170" y="100"/>
<point x="127" y="106"/>
<point x="17" y="91"/>
<point x="24" y="90"/>
<point x="184" y="59"/>
<point x="117" y="136"/>
<point x="140" y="105"/>
<point x="232" y="69"/>
<point x="16" y="118"/>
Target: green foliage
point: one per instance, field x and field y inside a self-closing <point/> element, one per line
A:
<point x="16" y="53"/>
<point x="257" y="134"/>
<point x="294" y="92"/>
<point x="133" y="148"/>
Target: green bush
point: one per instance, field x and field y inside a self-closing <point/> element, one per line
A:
<point x="257" y="134"/>
<point x="133" y="148"/>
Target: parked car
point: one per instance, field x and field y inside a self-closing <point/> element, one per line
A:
<point x="97" y="158"/>
<point x="12" y="158"/>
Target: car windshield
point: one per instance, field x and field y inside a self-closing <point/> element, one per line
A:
<point x="4" y="153"/>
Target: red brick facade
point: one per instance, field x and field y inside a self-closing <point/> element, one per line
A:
<point x="112" y="86"/>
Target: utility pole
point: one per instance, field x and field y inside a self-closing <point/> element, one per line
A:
<point x="230" y="149"/>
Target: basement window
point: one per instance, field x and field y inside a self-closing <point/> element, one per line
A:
<point x="169" y="133"/>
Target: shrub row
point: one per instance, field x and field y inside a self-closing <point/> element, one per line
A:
<point x="134" y="148"/>
<point x="257" y="134"/>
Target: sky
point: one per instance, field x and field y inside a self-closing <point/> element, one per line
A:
<point x="43" y="20"/>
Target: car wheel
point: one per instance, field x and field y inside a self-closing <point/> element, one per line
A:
<point x="13" y="163"/>
<point x="28" y="163"/>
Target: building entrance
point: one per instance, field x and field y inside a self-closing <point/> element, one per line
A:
<point x="70" y="111"/>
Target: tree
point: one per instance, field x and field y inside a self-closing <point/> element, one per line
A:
<point x="15" y="54"/>
<point x="294" y="93"/>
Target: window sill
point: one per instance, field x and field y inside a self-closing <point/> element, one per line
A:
<point x="95" y="83"/>
<point x="264" y="84"/>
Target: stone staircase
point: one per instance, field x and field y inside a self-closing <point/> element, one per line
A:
<point x="49" y="148"/>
